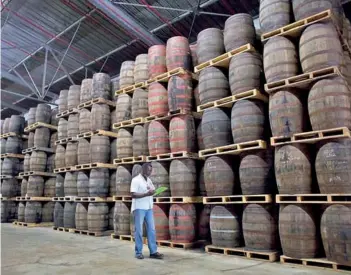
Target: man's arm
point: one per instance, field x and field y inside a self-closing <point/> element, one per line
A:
<point x="142" y="195"/>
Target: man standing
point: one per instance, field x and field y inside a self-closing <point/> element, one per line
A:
<point x="142" y="190"/>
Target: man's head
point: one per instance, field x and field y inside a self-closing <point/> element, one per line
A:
<point x="146" y="169"/>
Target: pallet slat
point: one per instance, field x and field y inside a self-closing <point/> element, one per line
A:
<point x="170" y="114"/>
<point x="25" y="224"/>
<point x="10" y="155"/>
<point x="36" y="148"/>
<point x="93" y="101"/>
<point x="67" y="113"/>
<point x="62" y="229"/>
<point x="169" y="200"/>
<point x="172" y="156"/>
<point x="314" y="198"/>
<point x="37" y="173"/>
<point x="93" y="199"/>
<point x="97" y="133"/>
<point x="33" y="198"/>
<point x="238" y="199"/>
<point x="130" y="160"/>
<point x="38" y="125"/>
<point x="65" y="140"/>
<point x="130" y="89"/>
<point x="129" y="123"/>
<point x="164" y="77"/>
<point x="66" y="198"/>
<point x="91" y="233"/>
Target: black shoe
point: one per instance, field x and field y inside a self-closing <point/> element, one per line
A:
<point x="140" y="257"/>
<point x="156" y="255"/>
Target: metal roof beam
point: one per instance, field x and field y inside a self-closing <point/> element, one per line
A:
<point x="13" y="107"/>
<point x="26" y="96"/>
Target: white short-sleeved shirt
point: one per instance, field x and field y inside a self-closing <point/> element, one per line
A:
<point x="139" y="185"/>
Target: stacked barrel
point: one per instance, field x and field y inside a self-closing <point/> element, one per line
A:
<point x="310" y="230"/>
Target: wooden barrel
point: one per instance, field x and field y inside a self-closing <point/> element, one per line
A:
<point x="225" y="227"/>
<point x="182" y="178"/>
<point x="126" y="75"/>
<point x="10" y="166"/>
<point x="2" y="145"/>
<point x="121" y="218"/>
<point x="99" y="180"/>
<point x="200" y="141"/>
<point x="73" y="97"/>
<point x="73" y="125"/>
<point x="54" y="120"/>
<point x="33" y="212"/>
<point x="196" y="96"/>
<point x="42" y="137"/>
<point x="24" y="184"/>
<point x="62" y="105"/>
<point x="193" y="52"/>
<point x="204" y="232"/>
<point x="346" y="69"/>
<point x="141" y="70"/>
<point x="215" y="128"/>
<point x="69" y="215"/>
<point x="260" y="227"/>
<point x="178" y="53"/>
<point x="101" y="86"/>
<point x="161" y="221"/>
<point x="182" y="134"/>
<point x="213" y="85"/>
<point x="123" y="107"/>
<point x="112" y="184"/>
<point x="182" y="223"/>
<point x="158" y="99"/>
<point x="123" y="180"/>
<point x="210" y="44"/>
<point x="280" y="59"/>
<point x="1" y="126"/>
<point x="14" y="145"/>
<point x="38" y="161"/>
<point x="139" y="140"/>
<point x="137" y="168"/>
<point x="239" y="30"/>
<point x="43" y="113"/>
<point x="113" y="151"/>
<point x="335" y="225"/>
<point x="158" y="140"/>
<point x="83" y="151"/>
<point x="6" y="126"/>
<point x="140" y="103"/>
<point x="329" y="104"/>
<point x="16" y="124"/>
<point x="320" y="47"/>
<point x="35" y="186"/>
<point x="58" y="214"/>
<point x="333" y="163"/>
<point x="4" y="212"/>
<point x="274" y="14"/>
<point x="180" y="92"/>
<point x="110" y="216"/>
<point x="30" y="118"/>
<point x="248" y="120"/>
<point x="12" y="211"/>
<point x="83" y="184"/>
<point x="71" y="157"/>
<point x="70" y="184"/>
<point x="124" y="143"/>
<point x="86" y="90"/>
<point x="160" y="176"/>
<point x="298" y="231"/>
<point x="53" y="139"/>
<point x="245" y="72"/>
<point x="100" y="149"/>
<point x="100" y="117"/>
<point x="60" y="160"/>
<point x="201" y="181"/>
<point x="21" y="211"/>
<point x="81" y="216"/>
<point x="49" y="187"/>
<point x="98" y="217"/>
<point x="59" y="186"/>
<point x="9" y="187"/>
<point x="113" y="120"/>
<point x="84" y="121"/>
<point x="48" y="211"/>
<point x="156" y="60"/>
<point x="62" y="130"/>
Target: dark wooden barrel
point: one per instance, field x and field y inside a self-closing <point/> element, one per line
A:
<point x="139" y="140"/>
<point x="200" y="141"/>
<point x="245" y="72"/>
<point x="213" y="85"/>
<point x="110" y="216"/>
<point x="140" y="103"/>
<point x="248" y="120"/>
<point x="121" y="218"/>
<point x="31" y="139"/>
<point x="6" y="126"/>
<point x="215" y="128"/>
<point x="99" y="180"/>
<point x="30" y="117"/>
<point x="274" y="14"/>
<point x="16" y="124"/>
<point x="9" y="187"/>
<point x="71" y="157"/>
<point x="260" y="227"/>
<point x="161" y="221"/>
<point x="158" y="99"/>
<point x="81" y="216"/>
<point x="43" y="113"/>
<point x="42" y="137"/>
<point x="48" y="211"/>
<point x="182" y="178"/>
<point x="160" y="176"/>
<point x="204" y="232"/>
<point x="299" y="231"/>
<point x="60" y="156"/>
<point x="62" y="130"/>
<point x="53" y="138"/>
<point x="73" y="125"/>
<point x="100" y="149"/>
<point x="182" y="223"/>
<point x="69" y="213"/>
<point x="73" y="97"/>
<point x="193" y="52"/>
<point x="59" y="186"/>
<point x="86" y="90"/>
<point x="50" y="187"/>
<point x="24" y="184"/>
<point x="182" y="136"/>
<point x="335" y="227"/>
<point x="329" y="104"/>
<point x="157" y="60"/>
<point x="98" y="217"/>
<point x="83" y="184"/>
<point x="70" y="184"/>
<point x="33" y="212"/>
<point x="4" y="212"/>
<point x="14" y="145"/>
<point x="178" y="53"/>
<point x="83" y="150"/>
<point x="210" y="44"/>
<point x="10" y="166"/>
<point x="112" y="184"/>
<point x="20" y="211"/>
<point x="124" y="143"/>
<point x="225" y="226"/>
<point x="2" y="145"/>
<point x="239" y="30"/>
<point x="58" y="214"/>
<point x="180" y="92"/>
<point x="38" y="161"/>
<point x="201" y="180"/>
<point x="101" y="86"/>
<point x="54" y="120"/>
<point x="280" y="59"/>
<point x="35" y="186"/>
<point x="62" y="105"/>
<point x="113" y="151"/>
<point x="141" y="68"/>
<point x="12" y="211"/>
<point x="123" y="107"/>
<point x="84" y="121"/>
<point x="136" y="170"/>
<point x="114" y="87"/>
<point x="123" y="180"/>
<point x="126" y="75"/>
<point x="196" y="95"/>
<point x="100" y="117"/>
<point x="158" y="140"/>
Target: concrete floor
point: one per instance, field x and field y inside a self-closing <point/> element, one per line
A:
<point x="34" y="251"/>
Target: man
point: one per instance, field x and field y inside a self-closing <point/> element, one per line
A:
<point x="142" y="190"/>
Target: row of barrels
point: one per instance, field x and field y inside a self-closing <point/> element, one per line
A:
<point x="9" y="211"/>
<point x="35" y="212"/>
<point x="42" y="113"/>
<point x="11" y="166"/>
<point x="39" y="161"/>
<point x="13" y="124"/>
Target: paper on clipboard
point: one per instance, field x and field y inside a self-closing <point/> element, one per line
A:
<point x="160" y="190"/>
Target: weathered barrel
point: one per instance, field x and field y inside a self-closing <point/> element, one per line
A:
<point x="126" y="75"/>
<point x="196" y="94"/>
<point x="193" y="52"/>
<point x="98" y="217"/>
<point x="200" y="141"/>
<point x="139" y="140"/>
<point x="137" y="168"/>
<point x="21" y="211"/>
<point x="245" y="72"/>
<point x="59" y="186"/>
<point x="201" y="181"/>
<point x="12" y="211"/>
<point x="114" y="86"/>
<point x="280" y="59"/>
<point x="238" y="30"/>
<point x="69" y="213"/>
<point x="81" y="216"/>
<point x="48" y="211"/>
<point x="160" y="176"/>
<point x="180" y="92"/>
<point x="86" y="90"/>
<point x="31" y="139"/>
<point x="30" y="117"/>
<point x="182" y="223"/>
<point x="178" y="53"/>
<point x="329" y="104"/>
<point x="16" y="124"/>
<point x="54" y="120"/>
<point x="71" y="157"/>
<point x="35" y="186"/>
<point x="53" y="139"/>
<point x="24" y="184"/>
<point x="215" y="128"/>
<point x="113" y="120"/>
<point x="213" y="85"/>
<point x="42" y="137"/>
<point x="248" y="120"/>
<point x="298" y="231"/>
<point x="225" y="227"/>
<point x="73" y="125"/>
<point x="335" y="223"/>
<point x="121" y="218"/>
<point x="141" y="71"/>
<point x="62" y="131"/>
<point x="73" y="97"/>
<point x="49" y="187"/>
<point x="83" y="155"/>
<point x="100" y="117"/>
<point x="113" y="151"/>
<point x="158" y="140"/>
<point x="43" y="113"/>
<point x="1" y="126"/>
<point x="99" y="181"/>
<point x="140" y="103"/>
<point x="123" y="180"/>
<point x="58" y="214"/>
<point x="320" y="47"/>
<point x="50" y="163"/>
<point x="83" y="184"/>
<point x="158" y="99"/>
<point x="210" y="44"/>
<point x="110" y="216"/>
<point x="9" y="187"/>
<point x="70" y="184"/>
<point x="38" y="161"/>
<point x="157" y="60"/>
<point x="60" y="156"/>
<point x="112" y="191"/>
<point x="33" y="212"/>
<point x="62" y="105"/>
<point x="274" y="14"/>
<point x="6" y="126"/>
<point x="123" y="107"/>
<point x="14" y="145"/>
<point x="182" y="178"/>
<point x="101" y="86"/>
<point x="10" y="166"/>
<point x="2" y="145"/>
<point x="161" y="221"/>
<point x="100" y="149"/>
<point x="204" y="232"/>
<point x="4" y="211"/>
<point x="182" y="134"/>
<point x="84" y="121"/>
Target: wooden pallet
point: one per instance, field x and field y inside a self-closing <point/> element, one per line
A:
<point x="238" y="199"/>
<point x="164" y="77"/>
<point x="36" y="173"/>
<point x="178" y="200"/>
<point x="171" y="114"/>
<point x="6" y="199"/>
<point x="36" y="125"/>
<point x="224" y="59"/>
<point x="91" y="233"/>
<point x="130" y="89"/>
<point x="93" y="199"/>
<point x="10" y="155"/>
<point x="97" y="133"/>
<point x="172" y="156"/>
<point x="234" y="149"/>
<point x="314" y="198"/>
<point x="13" y="134"/>
<point x="270" y="256"/>
<point x="317" y="263"/>
<point x="6" y="177"/>
<point x="129" y="238"/>
<point x="122" y="198"/>
<point x="27" y="198"/>
<point x="61" y="229"/>
<point x="65" y="140"/>
<point x="312" y="136"/>
<point x="25" y="224"/>
<point x="36" y="148"/>
<point x="63" y="199"/>
<point x="171" y="244"/>
<point x="88" y="166"/>
<point x="130" y="160"/>
<point x="67" y="112"/>
<point x="129" y="123"/>
<point x="64" y="169"/>
<point x="229" y="101"/>
<point x="99" y="100"/>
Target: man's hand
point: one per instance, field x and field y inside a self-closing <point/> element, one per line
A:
<point x="151" y="192"/>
